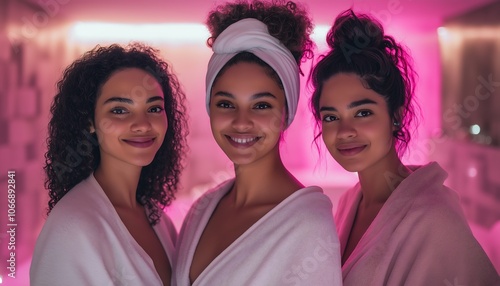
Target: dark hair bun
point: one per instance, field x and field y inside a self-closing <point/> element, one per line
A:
<point x="357" y="32"/>
<point x="359" y="45"/>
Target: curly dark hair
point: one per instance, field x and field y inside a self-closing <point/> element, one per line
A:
<point x="358" y="45"/>
<point x="73" y="152"/>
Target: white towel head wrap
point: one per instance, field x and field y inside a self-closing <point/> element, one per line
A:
<point x="251" y="35"/>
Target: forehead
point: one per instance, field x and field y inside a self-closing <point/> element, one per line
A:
<point x="131" y="82"/>
<point x="249" y="77"/>
<point x="343" y="89"/>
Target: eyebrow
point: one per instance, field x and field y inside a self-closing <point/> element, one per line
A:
<point x="255" y="96"/>
<point x="130" y="101"/>
<point x="350" y="106"/>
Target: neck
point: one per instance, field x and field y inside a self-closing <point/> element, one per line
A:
<point x="266" y="181"/>
<point x="381" y="179"/>
<point x="119" y="183"/>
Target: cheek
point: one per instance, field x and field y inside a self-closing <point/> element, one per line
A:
<point x="380" y="131"/>
<point x="276" y="118"/>
<point x="271" y="123"/>
<point x="218" y="120"/>
<point x="105" y="126"/>
<point x="328" y="133"/>
<point x="161" y="123"/>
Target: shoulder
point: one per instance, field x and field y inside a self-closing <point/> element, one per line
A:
<point x="82" y="211"/>
<point x="71" y="237"/>
<point x="436" y="215"/>
<point x="308" y="228"/>
<point x="209" y="197"/>
<point x="428" y="198"/>
<point x="204" y="205"/>
<point x="438" y="204"/>
<point x="309" y="208"/>
<point x="440" y="232"/>
<point x="84" y="203"/>
<point x="312" y="198"/>
<point x="314" y="193"/>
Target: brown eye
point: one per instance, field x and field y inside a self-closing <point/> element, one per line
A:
<point x="156" y="109"/>
<point x="224" y="104"/>
<point x="262" y="105"/>
<point x="364" y="113"/>
<point x="329" y="118"/>
<point x="118" y="110"/>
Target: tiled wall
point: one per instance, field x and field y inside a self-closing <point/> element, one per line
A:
<point x="30" y="65"/>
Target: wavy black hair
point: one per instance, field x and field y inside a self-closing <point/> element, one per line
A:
<point x="359" y="45"/>
<point x="73" y="152"/>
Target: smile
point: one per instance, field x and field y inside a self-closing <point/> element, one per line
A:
<point x="140" y="142"/>
<point x="350" y="150"/>
<point x="242" y="141"/>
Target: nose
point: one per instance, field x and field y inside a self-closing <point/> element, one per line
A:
<point x="141" y="123"/>
<point x="346" y="130"/>
<point x="242" y="121"/>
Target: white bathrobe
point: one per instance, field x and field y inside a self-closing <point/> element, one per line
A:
<point x="419" y="237"/>
<point x="84" y="242"/>
<point x="293" y="244"/>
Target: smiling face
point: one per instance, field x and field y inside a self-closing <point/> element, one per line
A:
<point x="247" y="113"/>
<point x="130" y="121"/>
<point x="356" y="126"/>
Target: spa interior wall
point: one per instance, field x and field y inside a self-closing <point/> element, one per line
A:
<point x="35" y="50"/>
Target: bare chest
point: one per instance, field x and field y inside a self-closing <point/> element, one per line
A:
<point x="362" y="222"/>
<point x="138" y="226"/>
<point x="224" y="227"/>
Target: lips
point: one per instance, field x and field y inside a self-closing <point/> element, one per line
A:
<point x="350" y="149"/>
<point x="242" y="141"/>
<point x="142" y="142"/>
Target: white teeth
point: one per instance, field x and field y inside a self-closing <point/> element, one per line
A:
<point x="243" y="140"/>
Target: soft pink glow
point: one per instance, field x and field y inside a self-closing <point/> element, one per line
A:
<point x="35" y="52"/>
<point x="173" y="33"/>
<point x="458" y="33"/>
<point x="443" y="33"/>
<point x="472" y="172"/>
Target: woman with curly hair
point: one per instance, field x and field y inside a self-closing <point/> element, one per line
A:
<point x="115" y="147"/>
<point x="399" y="225"/>
<point x="263" y="227"/>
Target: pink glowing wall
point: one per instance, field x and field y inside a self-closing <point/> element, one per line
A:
<point x="33" y="57"/>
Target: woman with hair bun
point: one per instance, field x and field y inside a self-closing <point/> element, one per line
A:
<point x="399" y="225"/>
<point x="263" y="227"/>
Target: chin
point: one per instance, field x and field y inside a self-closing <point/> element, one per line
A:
<point x="143" y="163"/>
<point x="241" y="159"/>
<point x="351" y="167"/>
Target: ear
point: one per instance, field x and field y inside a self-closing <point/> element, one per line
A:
<point x="91" y="127"/>
<point x="396" y="124"/>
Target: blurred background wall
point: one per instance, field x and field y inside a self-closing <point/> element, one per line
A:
<point x="455" y="45"/>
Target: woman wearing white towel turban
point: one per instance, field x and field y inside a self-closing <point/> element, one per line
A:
<point x="400" y="225"/>
<point x="262" y="227"/>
